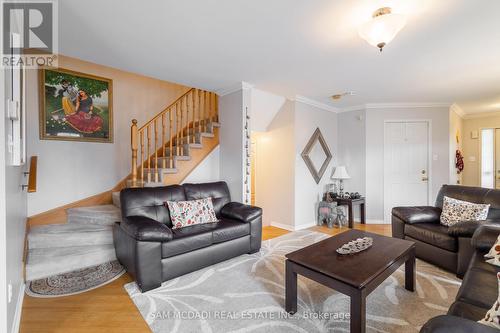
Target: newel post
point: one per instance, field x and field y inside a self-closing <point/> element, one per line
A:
<point x="133" y="142"/>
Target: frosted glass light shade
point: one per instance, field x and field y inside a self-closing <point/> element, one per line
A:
<point x="340" y="173"/>
<point x="382" y="29"/>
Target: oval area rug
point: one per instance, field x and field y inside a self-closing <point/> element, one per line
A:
<point x="75" y="282"/>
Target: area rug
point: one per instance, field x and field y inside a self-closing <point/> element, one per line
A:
<point x="246" y="294"/>
<point x="75" y="282"/>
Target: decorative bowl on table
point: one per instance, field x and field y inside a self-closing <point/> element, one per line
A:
<point x="356" y="246"/>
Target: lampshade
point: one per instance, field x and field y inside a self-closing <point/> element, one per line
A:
<point x="340" y="173"/>
<point x="382" y="28"/>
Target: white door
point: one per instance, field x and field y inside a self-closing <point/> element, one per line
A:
<point x="406" y="165"/>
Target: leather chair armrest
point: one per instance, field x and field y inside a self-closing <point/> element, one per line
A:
<point x="240" y="212"/>
<point x="417" y="214"/>
<point x="485" y="236"/>
<point x="464" y="228"/>
<point x="145" y="229"/>
<point x="447" y="324"/>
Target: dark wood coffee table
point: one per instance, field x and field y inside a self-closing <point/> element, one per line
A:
<point x="355" y="275"/>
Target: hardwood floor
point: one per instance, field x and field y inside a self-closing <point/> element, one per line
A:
<point x="109" y="309"/>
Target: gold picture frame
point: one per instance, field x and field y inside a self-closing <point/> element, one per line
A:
<point x="75" y="106"/>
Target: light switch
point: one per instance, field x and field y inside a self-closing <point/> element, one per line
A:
<point x="472" y="158"/>
<point x="435" y="157"/>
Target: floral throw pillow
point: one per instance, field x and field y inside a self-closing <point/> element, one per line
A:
<point x="186" y="213"/>
<point x="492" y="317"/>
<point x="494" y="255"/>
<point x="455" y="211"/>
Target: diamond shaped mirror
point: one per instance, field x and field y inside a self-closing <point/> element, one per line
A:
<point x="317" y="155"/>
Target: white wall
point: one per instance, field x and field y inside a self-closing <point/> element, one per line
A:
<point x="375" y="118"/>
<point x="275" y="169"/>
<point x="265" y="106"/>
<point x="231" y="108"/>
<point x="208" y="170"/>
<point x="70" y="171"/>
<point x="13" y="223"/>
<point x="307" y="192"/>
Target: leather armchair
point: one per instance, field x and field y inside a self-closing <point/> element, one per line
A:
<point x="447" y="247"/>
<point x="153" y="252"/>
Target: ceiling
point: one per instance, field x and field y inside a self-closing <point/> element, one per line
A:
<point x="448" y="52"/>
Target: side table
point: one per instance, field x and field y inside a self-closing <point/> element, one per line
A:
<point x="353" y="202"/>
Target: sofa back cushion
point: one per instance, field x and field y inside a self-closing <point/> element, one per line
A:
<point x="218" y="191"/>
<point x="472" y="194"/>
<point x="150" y="201"/>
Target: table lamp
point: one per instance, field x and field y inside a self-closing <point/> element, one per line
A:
<point x="340" y="173"/>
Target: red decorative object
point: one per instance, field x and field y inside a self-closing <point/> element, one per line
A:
<point x="459" y="161"/>
<point x="84" y="122"/>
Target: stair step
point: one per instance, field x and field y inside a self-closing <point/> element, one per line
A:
<point x="116" y="199"/>
<point x="46" y="262"/>
<point x="67" y="235"/>
<point x="102" y="215"/>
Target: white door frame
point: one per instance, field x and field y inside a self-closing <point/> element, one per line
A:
<point x="429" y="160"/>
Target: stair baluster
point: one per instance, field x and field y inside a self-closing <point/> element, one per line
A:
<point x="156" y="150"/>
<point x="187" y="120"/>
<point x="177" y="118"/>
<point x="171" y="150"/>
<point x="194" y="115"/>
<point x="142" y="156"/>
<point x="133" y="139"/>
<point x="163" y="142"/>
<point x="148" y="150"/>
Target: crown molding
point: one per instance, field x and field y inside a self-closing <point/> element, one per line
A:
<point x="235" y="87"/>
<point x="458" y="110"/>
<point x="481" y="114"/>
<point x="317" y="104"/>
<point x="395" y="106"/>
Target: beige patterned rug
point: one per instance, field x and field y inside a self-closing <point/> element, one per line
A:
<point x="246" y="294"/>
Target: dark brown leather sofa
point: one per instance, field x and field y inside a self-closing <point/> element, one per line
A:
<point x="447" y="247"/>
<point x="477" y="294"/>
<point x="153" y="252"/>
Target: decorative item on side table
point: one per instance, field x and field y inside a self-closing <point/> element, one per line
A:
<point x="356" y="246"/>
<point x="340" y="174"/>
<point x="327" y="213"/>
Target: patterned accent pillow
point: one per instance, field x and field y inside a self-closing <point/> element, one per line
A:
<point x="492" y="317"/>
<point x="494" y="255"/>
<point x="455" y="211"/>
<point x="186" y="213"/>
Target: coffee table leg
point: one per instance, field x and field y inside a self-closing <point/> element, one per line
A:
<point x="290" y="288"/>
<point x="410" y="275"/>
<point x="358" y="313"/>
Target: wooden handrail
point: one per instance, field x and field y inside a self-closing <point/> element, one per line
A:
<point x="32" y="174"/>
<point x="187" y="115"/>
<point x="167" y="109"/>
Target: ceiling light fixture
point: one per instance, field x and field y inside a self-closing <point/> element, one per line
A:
<point x="382" y="28"/>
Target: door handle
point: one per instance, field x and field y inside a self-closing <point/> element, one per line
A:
<point x="424" y="179"/>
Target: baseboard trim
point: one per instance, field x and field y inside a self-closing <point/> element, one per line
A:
<point x="291" y="227"/>
<point x="375" y="221"/>
<point x="19" y="309"/>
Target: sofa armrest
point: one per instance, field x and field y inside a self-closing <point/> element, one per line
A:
<point x="417" y="214"/>
<point x="241" y="212"/>
<point x="447" y="324"/>
<point x="142" y="228"/>
<point x="464" y="228"/>
<point x="485" y="236"/>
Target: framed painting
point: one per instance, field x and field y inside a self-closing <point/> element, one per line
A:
<point x="75" y="106"/>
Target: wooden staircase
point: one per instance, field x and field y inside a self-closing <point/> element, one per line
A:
<point x="170" y="145"/>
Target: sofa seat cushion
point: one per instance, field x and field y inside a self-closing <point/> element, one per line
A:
<point x="468" y="311"/>
<point x="228" y="229"/>
<point x="479" y="287"/>
<point x="433" y="234"/>
<point x="188" y="239"/>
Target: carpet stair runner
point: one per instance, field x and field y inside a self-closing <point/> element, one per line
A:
<point x="86" y="240"/>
